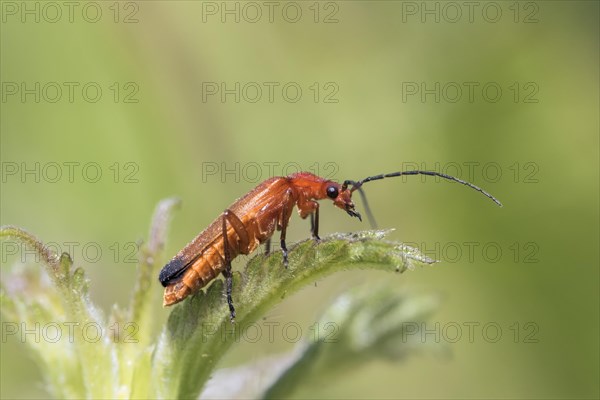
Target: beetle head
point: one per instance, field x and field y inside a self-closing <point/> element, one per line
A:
<point x="342" y="197"/>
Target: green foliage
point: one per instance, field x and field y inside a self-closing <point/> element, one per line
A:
<point x="178" y="361"/>
<point x="369" y="325"/>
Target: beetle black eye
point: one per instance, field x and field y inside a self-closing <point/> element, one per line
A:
<point x="332" y="192"/>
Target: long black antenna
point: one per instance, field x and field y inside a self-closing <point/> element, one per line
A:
<point x="357" y="185"/>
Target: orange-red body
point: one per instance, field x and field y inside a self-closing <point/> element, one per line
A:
<point x="253" y="219"/>
<point x="266" y="208"/>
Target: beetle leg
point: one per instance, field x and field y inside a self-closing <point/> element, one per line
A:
<point x="314" y="224"/>
<point x="286" y="213"/>
<point x="227" y="271"/>
<point x="284" y="249"/>
<point x="268" y="247"/>
<point x="240" y="230"/>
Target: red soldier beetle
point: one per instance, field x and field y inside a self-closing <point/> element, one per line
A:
<point x="252" y="219"/>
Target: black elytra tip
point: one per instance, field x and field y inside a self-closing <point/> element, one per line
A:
<point x="171" y="271"/>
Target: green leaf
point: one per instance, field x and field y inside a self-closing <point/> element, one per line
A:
<point x="178" y="363"/>
<point x="196" y="334"/>
<point x="362" y="325"/>
<point x="87" y="361"/>
<point x="77" y="365"/>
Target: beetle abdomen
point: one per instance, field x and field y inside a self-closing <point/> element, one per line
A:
<point x="203" y="270"/>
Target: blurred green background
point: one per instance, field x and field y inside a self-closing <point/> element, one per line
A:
<point x="155" y="131"/>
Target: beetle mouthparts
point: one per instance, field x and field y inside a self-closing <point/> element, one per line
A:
<point x="353" y="213"/>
